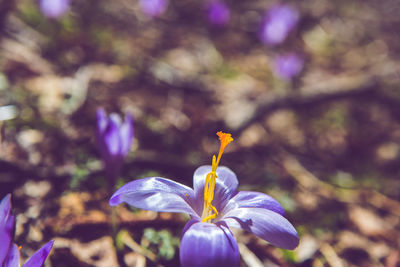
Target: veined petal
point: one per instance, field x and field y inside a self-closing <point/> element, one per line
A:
<point x="6" y="226"/>
<point x="126" y="134"/>
<point x="12" y="259"/>
<point x="157" y="194"/>
<point x="210" y="245"/>
<point x="264" y="223"/>
<point x="38" y="258"/>
<point x="249" y="199"/>
<point x="225" y="185"/>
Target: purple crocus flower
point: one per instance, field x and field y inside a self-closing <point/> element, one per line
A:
<point x="288" y="66"/>
<point x="214" y="205"/>
<point x="218" y="13"/>
<point x="153" y="8"/>
<point x="9" y="252"/>
<point x="278" y="22"/>
<point x="54" y="8"/>
<point x="114" y="139"/>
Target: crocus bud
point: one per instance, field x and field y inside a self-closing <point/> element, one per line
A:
<point x="218" y="13"/>
<point x="153" y="8"/>
<point x="288" y="66"/>
<point x="54" y="8"/>
<point x="278" y="22"/>
<point x="114" y="138"/>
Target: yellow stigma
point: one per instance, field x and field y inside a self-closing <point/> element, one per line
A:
<point x="209" y="211"/>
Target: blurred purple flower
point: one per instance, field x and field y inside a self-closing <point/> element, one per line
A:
<point x="278" y="22"/>
<point x="288" y="66"/>
<point x="9" y="252"/>
<point x="54" y="8"/>
<point x="218" y="13"/>
<point x="153" y="8"/>
<point x="114" y="139"/>
<point x="214" y="205"/>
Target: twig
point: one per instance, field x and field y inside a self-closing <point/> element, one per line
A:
<point x="330" y="255"/>
<point x="128" y="241"/>
<point x="335" y="88"/>
<point x="351" y="196"/>
<point x="248" y="256"/>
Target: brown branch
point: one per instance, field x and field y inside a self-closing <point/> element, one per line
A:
<point x="336" y="88"/>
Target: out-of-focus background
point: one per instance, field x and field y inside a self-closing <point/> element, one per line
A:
<point x="310" y="95"/>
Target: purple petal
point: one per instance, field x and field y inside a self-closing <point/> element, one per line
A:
<point x="208" y="244"/>
<point x="12" y="259"/>
<point x="288" y="66"/>
<point x="102" y="120"/>
<point x="249" y="199"/>
<point x="126" y="134"/>
<point x="278" y="23"/>
<point x="218" y="13"/>
<point x="39" y="256"/>
<point x="6" y="226"/>
<point x="54" y="8"/>
<point x="225" y="186"/>
<point x="116" y="119"/>
<point x="111" y="138"/>
<point x="264" y="223"/>
<point x="157" y="194"/>
<point x="153" y="8"/>
<point x="189" y="224"/>
<point x="5" y="207"/>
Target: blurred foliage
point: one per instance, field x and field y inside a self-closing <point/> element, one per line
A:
<point x="163" y="242"/>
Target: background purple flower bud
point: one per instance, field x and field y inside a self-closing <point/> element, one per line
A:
<point x="288" y="66"/>
<point x="153" y="8"/>
<point x="114" y="139"/>
<point x="278" y="22"/>
<point x="218" y="13"/>
<point x="54" y="8"/>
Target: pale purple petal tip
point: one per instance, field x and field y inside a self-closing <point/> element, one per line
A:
<point x="54" y="8"/>
<point x="278" y="22"/>
<point x="288" y="66"/>
<point x="153" y="8"/>
<point x="264" y="223"/>
<point x="207" y="244"/>
<point x="39" y="256"/>
<point x="102" y="120"/>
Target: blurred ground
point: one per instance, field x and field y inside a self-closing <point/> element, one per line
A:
<point x="326" y="144"/>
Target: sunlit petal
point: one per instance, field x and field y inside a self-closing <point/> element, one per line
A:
<point x="157" y="194"/>
<point x="264" y="223"/>
<point x="249" y="199"/>
<point x="210" y="245"/>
